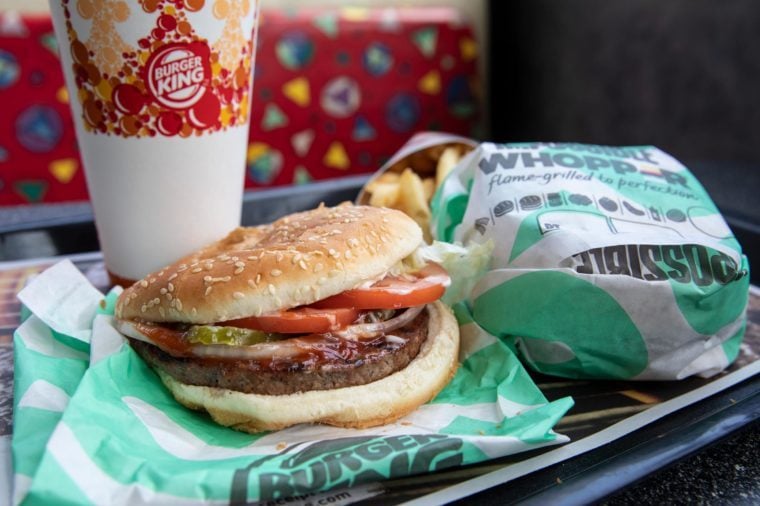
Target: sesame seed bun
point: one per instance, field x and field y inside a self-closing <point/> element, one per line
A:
<point x="297" y="260"/>
<point x="376" y="403"/>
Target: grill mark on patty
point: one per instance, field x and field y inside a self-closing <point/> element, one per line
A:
<point x="336" y="363"/>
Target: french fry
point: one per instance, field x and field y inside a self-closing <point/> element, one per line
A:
<point x="428" y="185"/>
<point x="449" y="158"/>
<point x="388" y="177"/>
<point x="412" y="200"/>
<point x="410" y="183"/>
<point x="383" y="194"/>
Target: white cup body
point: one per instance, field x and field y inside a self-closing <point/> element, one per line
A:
<point x="161" y="116"/>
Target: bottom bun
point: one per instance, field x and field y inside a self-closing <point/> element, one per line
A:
<point x="377" y="403"/>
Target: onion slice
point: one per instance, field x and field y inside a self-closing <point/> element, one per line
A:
<point x="280" y="349"/>
<point x="132" y="329"/>
<point x="368" y="330"/>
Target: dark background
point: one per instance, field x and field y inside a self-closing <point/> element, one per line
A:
<point x="683" y="75"/>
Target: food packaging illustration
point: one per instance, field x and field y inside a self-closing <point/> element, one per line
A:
<point x="183" y="75"/>
<point x="335" y="91"/>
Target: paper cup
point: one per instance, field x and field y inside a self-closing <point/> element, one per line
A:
<point x="160" y="93"/>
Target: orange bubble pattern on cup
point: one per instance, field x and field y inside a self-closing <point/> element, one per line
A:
<point x="174" y="83"/>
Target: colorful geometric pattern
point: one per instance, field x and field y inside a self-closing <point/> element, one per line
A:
<point x="336" y="92"/>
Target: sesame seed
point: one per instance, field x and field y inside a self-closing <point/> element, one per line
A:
<point x="171" y="287"/>
<point x="161" y="311"/>
<point x="209" y="266"/>
<point x="194" y="311"/>
<point x="240" y="264"/>
<point x="296" y="258"/>
<point x="258" y="278"/>
<point x="238" y="295"/>
<point x="275" y="272"/>
<point x="238" y="270"/>
<point x="207" y="279"/>
<point x="182" y="267"/>
<point x="272" y="289"/>
<point x="162" y="291"/>
<point x="144" y="283"/>
<point x="322" y="280"/>
<point x="197" y="270"/>
<point x="353" y="242"/>
<point x="178" y="304"/>
<point x="208" y="290"/>
<point x="251" y="283"/>
<point x="143" y="308"/>
<point x="156" y="301"/>
<point x="173" y="276"/>
<point x="302" y="264"/>
<point x="279" y="257"/>
<point x="253" y="258"/>
<point x="348" y="254"/>
<point x="223" y="257"/>
<point x="169" y="296"/>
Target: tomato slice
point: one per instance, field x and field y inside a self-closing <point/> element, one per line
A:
<point x="301" y="320"/>
<point x="167" y="339"/>
<point x="393" y="292"/>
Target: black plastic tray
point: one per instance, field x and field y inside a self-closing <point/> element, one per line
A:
<point x="586" y="478"/>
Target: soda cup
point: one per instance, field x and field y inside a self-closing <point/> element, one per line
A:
<point x="160" y="92"/>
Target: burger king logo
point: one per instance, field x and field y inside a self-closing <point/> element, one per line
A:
<point x="177" y="75"/>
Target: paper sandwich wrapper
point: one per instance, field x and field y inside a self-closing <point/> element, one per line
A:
<point x="93" y="424"/>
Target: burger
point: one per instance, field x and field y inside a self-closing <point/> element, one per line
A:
<point x="325" y="316"/>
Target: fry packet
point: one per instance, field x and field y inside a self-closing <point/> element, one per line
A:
<point x="608" y="262"/>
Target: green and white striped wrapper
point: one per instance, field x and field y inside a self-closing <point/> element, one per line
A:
<point x="609" y="262"/>
<point x="100" y="428"/>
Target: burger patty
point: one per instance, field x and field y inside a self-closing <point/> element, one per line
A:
<point x="331" y="363"/>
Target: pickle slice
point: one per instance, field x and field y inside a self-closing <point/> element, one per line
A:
<point x="233" y="336"/>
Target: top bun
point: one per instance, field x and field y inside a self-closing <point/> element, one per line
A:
<point x="297" y="260"/>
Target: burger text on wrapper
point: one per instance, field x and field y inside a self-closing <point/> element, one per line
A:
<point x="608" y="262"/>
